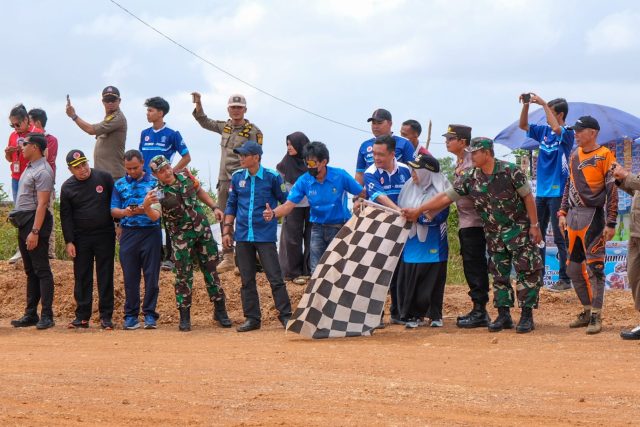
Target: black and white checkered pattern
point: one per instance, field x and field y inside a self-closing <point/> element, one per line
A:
<point x="346" y="294"/>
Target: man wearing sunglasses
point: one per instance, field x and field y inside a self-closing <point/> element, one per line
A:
<point x="21" y="125"/>
<point x="111" y="133"/>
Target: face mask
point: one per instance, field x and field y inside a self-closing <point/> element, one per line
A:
<point x="313" y="172"/>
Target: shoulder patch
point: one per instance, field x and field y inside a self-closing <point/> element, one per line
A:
<point x="109" y="117"/>
<point x="259" y="137"/>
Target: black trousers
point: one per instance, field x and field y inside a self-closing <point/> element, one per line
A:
<point x="37" y="268"/>
<point x="420" y="289"/>
<point x="294" y="243"/>
<point x="473" y="248"/>
<point x="98" y="247"/>
<point x="246" y="256"/>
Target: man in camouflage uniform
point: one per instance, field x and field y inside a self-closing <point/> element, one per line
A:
<point x="235" y="132"/>
<point x="503" y="199"/>
<point x="177" y="200"/>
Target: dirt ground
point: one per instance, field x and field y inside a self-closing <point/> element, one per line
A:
<point x="448" y="376"/>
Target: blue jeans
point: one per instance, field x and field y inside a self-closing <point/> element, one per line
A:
<point x="547" y="208"/>
<point x="14" y="188"/>
<point x="321" y="236"/>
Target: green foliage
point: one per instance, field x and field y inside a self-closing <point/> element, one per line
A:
<point x="210" y="191"/>
<point x="455" y="273"/>
<point x="447" y="167"/>
<point x="3" y="194"/>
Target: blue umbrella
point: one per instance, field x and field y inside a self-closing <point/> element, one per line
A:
<point x="614" y="125"/>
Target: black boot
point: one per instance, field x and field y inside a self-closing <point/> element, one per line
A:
<point x="477" y="318"/>
<point x="503" y="321"/>
<point x="220" y="313"/>
<point x="526" y="321"/>
<point x="185" y="319"/>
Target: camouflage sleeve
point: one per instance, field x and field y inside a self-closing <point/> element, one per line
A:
<point x="520" y="181"/>
<point x="460" y="186"/>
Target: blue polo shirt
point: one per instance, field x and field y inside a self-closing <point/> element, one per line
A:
<point x="435" y="248"/>
<point x="327" y="199"/>
<point x="248" y="198"/>
<point x="163" y="141"/>
<point x="128" y="191"/>
<point x="404" y="152"/>
<point x="553" y="159"/>
<point x="380" y="182"/>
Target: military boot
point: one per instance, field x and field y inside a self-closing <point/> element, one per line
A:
<point x="477" y="318"/>
<point x="185" y="319"/>
<point x="526" y="321"/>
<point x="503" y="321"/>
<point x="220" y="312"/>
<point x="595" y="324"/>
<point x="228" y="262"/>
<point x="582" y="320"/>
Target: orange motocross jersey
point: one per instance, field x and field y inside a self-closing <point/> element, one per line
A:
<point x="591" y="182"/>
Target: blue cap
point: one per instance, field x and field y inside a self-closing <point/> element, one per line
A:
<point x="249" y="148"/>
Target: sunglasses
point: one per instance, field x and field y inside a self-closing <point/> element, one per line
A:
<point x="15" y="125"/>
<point x="452" y="138"/>
<point x="109" y="99"/>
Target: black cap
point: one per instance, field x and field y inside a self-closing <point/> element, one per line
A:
<point x="379" y="115"/>
<point x="425" y="161"/>
<point x="586" y="122"/>
<point x="249" y="148"/>
<point x="111" y="91"/>
<point x="37" y="139"/>
<point x="459" y="131"/>
<point x="75" y="158"/>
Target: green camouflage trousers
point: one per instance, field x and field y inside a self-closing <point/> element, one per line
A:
<point x="525" y="257"/>
<point x="190" y="247"/>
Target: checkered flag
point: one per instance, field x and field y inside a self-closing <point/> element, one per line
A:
<point x="346" y="294"/>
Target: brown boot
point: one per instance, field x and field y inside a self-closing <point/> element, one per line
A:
<point x="582" y="320"/>
<point x="595" y="324"/>
<point x="228" y="262"/>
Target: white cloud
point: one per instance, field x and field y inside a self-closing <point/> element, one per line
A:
<point x="615" y="33"/>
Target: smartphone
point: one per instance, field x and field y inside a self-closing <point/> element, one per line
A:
<point x="68" y="99"/>
<point x="526" y="98"/>
<point x="133" y="206"/>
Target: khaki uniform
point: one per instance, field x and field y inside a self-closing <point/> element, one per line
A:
<point x="631" y="185"/>
<point x="111" y="135"/>
<point x="232" y="137"/>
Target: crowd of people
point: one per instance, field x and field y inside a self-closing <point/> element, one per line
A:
<point x="130" y="195"/>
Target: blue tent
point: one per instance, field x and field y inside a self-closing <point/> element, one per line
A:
<point x="614" y="125"/>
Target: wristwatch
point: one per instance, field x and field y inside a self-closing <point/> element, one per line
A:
<point x="35" y="231"/>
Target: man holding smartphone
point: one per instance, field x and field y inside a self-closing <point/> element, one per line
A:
<point x="140" y="241"/>
<point x="556" y="142"/>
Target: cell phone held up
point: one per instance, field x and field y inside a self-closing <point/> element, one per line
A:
<point x="526" y="98"/>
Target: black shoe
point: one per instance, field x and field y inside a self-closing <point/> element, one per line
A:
<point x="476" y="318"/>
<point x="78" y="324"/>
<point x="284" y="320"/>
<point x="249" y="325"/>
<point x="220" y="313"/>
<point x="25" y="321"/>
<point x="45" y="322"/>
<point x="185" y="319"/>
<point x="526" y="321"/>
<point x="633" y="334"/>
<point x="503" y="321"/>
<point x="106" y="324"/>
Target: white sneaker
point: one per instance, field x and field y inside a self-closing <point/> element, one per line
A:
<point x="15" y="258"/>
<point x="437" y="323"/>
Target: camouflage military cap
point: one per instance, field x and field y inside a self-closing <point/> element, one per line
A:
<point x="480" y="143"/>
<point x="158" y="162"/>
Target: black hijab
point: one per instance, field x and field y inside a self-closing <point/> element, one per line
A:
<point x="294" y="166"/>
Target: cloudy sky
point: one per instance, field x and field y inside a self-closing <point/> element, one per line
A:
<point x="448" y="61"/>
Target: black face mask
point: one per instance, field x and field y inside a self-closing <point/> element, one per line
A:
<point x="313" y="172"/>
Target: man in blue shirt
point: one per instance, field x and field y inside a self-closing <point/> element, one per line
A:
<point x="383" y="181"/>
<point x="380" y="126"/>
<point x="556" y="143"/>
<point x="140" y="241"/>
<point x="161" y="140"/>
<point x="326" y="189"/>
<point x="253" y="189"/>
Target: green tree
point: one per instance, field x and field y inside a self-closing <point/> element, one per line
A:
<point x="447" y="167"/>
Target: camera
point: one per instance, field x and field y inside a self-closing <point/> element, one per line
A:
<point x="160" y="194"/>
<point x="526" y="98"/>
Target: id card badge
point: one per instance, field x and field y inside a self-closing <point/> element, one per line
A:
<point x="16" y="167"/>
